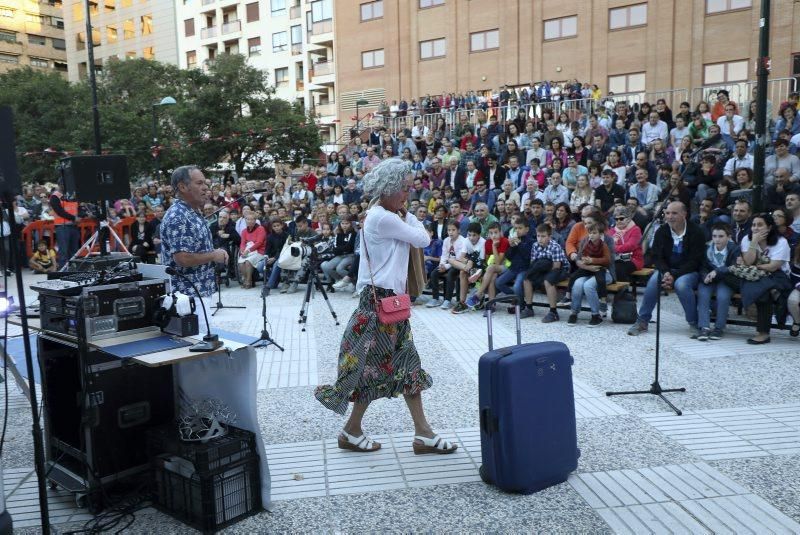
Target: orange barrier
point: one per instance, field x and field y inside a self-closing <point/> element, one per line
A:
<point x="38" y="230"/>
<point x="87" y="228"/>
<point x="123" y="229"/>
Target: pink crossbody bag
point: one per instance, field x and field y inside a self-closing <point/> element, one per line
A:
<point x="392" y="309"/>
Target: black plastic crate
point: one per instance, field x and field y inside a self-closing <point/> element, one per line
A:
<point x="209" y="501"/>
<point x="237" y="444"/>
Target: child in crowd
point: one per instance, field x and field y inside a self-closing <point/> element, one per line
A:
<point x="594" y="258"/>
<point x="549" y="266"/>
<point x="722" y="253"/>
<point x="43" y="259"/>
<point x="452" y="250"/>
<point x="433" y="252"/>
<point x="519" y="254"/>
<point x="495" y="250"/>
<point x="471" y="264"/>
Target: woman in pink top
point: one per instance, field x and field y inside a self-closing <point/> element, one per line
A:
<point x="627" y="238"/>
<point x="251" y="250"/>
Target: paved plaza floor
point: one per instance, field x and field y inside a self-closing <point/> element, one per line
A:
<point x="730" y="464"/>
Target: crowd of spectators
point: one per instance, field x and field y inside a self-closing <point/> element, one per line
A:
<point x="518" y="202"/>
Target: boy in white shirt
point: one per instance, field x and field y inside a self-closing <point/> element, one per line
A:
<point x="449" y="267"/>
<point x="470" y="265"/>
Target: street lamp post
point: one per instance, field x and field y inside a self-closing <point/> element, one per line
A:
<point x="166" y="101"/>
<point x="359" y="102"/>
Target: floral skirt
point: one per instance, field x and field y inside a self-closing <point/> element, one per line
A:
<point x="375" y="361"/>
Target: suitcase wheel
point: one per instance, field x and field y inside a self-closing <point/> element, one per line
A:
<point x="484" y="477"/>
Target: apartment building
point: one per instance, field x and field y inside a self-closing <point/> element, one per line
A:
<point x="32" y="34"/>
<point x="121" y="29"/>
<point x="291" y="40"/>
<point x="408" y="48"/>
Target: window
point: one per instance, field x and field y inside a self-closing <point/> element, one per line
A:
<point x="9" y="37"/>
<point x="626" y="83"/>
<point x="149" y="53"/>
<point x="280" y="42"/>
<point x="297" y="35"/>
<point x="719" y="73"/>
<point x="7" y="12"/>
<point x="435" y="48"/>
<point x="191" y="59"/>
<point x="251" y="12"/>
<point x="487" y="40"/>
<point x="112" y="33"/>
<point x="9" y="58"/>
<point x="430" y="3"/>
<point x="796" y="69"/>
<point x="720" y="6"/>
<point x="36" y="40"/>
<point x="282" y="76"/>
<point x="60" y="66"/>
<point x="41" y="63"/>
<point x="321" y="10"/>
<point x="188" y="27"/>
<point x="254" y="46"/>
<point x="128" y="30"/>
<point x="57" y="22"/>
<point x="147" y="24"/>
<point x="278" y="7"/>
<point x="59" y="44"/>
<point x="35" y="18"/>
<point x="625" y="17"/>
<point x="371" y="10"/>
<point x="372" y="59"/>
<point x="561" y="28"/>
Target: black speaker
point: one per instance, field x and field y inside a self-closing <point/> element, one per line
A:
<point x="96" y="178"/>
<point x="10" y="183"/>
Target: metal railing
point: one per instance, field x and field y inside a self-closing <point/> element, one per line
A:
<point x="208" y="33"/>
<point x="325" y="110"/>
<point x="232" y="26"/>
<point x="742" y="93"/>
<point x="322" y="68"/>
<point x="321" y="27"/>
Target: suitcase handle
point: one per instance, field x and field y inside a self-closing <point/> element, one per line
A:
<point x="488" y="424"/>
<point x="490" y="305"/>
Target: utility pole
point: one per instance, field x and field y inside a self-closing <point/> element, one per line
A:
<point x="762" y="74"/>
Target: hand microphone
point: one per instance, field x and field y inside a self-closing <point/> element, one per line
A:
<point x="210" y="341"/>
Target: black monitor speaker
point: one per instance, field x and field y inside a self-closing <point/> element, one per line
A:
<point x="96" y="178"/>
<point x="10" y="183"/>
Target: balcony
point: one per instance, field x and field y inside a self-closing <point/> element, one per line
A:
<point x="321" y="33"/>
<point x="207" y="2"/>
<point x="297" y="49"/>
<point x="15" y="47"/>
<point x="295" y="12"/>
<point x="208" y="33"/>
<point x="299" y="86"/>
<point x="231" y="27"/>
<point x="326" y="112"/>
<point x="323" y="73"/>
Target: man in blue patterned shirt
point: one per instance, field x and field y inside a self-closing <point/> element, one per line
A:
<point x="186" y="242"/>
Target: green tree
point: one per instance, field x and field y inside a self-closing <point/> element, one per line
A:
<point x="46" y="115"/>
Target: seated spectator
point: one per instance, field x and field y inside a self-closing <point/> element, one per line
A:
<point x="776" y="194"/>
<point x="740" y="159"/>
<point x="582" y="194"/>
<point x="720" y="255"/>
<point x="432" y="254"/>
<point x="678" y="249"/>
<point x="570" y="174"/>
<point x="730" y="124"/>
<point x="781" y="158"/>
<point x="495" y="250"/>
<point x="556" y="192"/>
<point x="793" y="302"/>
<point x="448" y="269"/>
<point x="680" y="131"/>
<point x="762" y="271"/>
<point x="606" y="195"/>
<point x="627" y="236"/>
<point x="141" y="238"/>
<point x="470" y="266"/>
<point x="510" y="282"/>
<point x="788" y="120"/>
<point x="508" y="194"/>
<point x="740" y="220"/>
<point x="706" y="180"/>
<point x="645" y="192"/>
<point x="275" y="241"/>
<point x="43" y="260"/>
<point x="704" y="218"/>
<point x="675" y="190"/>
<point x="251" y="249"/>
<point x="561" y="223"/>
<point x="592" y="275"/>
<point x="344" y="247"/>
<point x="548" y="266"/>
<point x="654" y="129"/>
<point x="779" y="215"/>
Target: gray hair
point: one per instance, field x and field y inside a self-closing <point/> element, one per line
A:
<point x="182" y="175"/>
<point x="386" y="178"/>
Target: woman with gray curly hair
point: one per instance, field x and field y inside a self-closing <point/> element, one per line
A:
<point x="376" y="360"/>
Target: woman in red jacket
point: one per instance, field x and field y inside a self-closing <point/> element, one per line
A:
<point x="627" y="243"/>
<point x="251" y="249"/>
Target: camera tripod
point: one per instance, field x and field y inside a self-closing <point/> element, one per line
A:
<point x="314" y="283"/>
<point x="265" y="340"/>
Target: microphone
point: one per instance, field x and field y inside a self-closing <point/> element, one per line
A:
<point x="210" y="341"/>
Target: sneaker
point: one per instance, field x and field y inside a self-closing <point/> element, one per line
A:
<point x="434" y="303"/>
<point x="283" y="288"/>
<point x="564" y="302"/>
<point x="356" y="294"/>
<point x="694" y="332"/>
<point x="637" y="328"/>
<point x="595" y="321"/>
<point x="526" y="313"/>
<point x="292" y="288"/>
<point x="550" y="317"/>
<point x="341" y="283"/>
<point x="715" y="334"/>
<point x="460" y="308"/>
<point x="349" y="287"/>
<point x="603" y="309"/>
<point x="572" y="320"/>
<point x="446" y="305"/>
<point x="475" y="276"/>
<point x="703" y="335"/>
<point x="472" y="301"/>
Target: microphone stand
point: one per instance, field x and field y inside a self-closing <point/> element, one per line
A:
<point x="210" y="341"/>
<point x="655" y="386"/>
<point x="265" y="340"/>
<point x="219" y="306"/>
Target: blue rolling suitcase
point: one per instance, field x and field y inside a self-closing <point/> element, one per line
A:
<point x="527" y="414"/>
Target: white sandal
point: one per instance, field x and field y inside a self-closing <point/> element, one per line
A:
<point x="362" y="443"/>
<point x="436" y="444"/>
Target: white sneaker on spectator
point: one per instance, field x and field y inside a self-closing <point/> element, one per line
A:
<point x="434" y="303"/>
<point x="348" y="287"/>
<point x="341" y="283"/>
<point x="446" y="305"/>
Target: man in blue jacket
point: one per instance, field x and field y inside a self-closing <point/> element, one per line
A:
<point x="721" y="253"/>
<point x="519" y="254"/>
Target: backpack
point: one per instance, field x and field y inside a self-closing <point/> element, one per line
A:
<point x="624" y="307"/>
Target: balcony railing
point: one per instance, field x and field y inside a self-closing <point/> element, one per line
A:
<point x="207" y="2"/>
<point x="208" y="33"/>
<point x="295" y="12"/>
<point x="297" y="48"/>
<point x="300" y="85"/>
<point x="232" y="26"/>
<point x="322" y="68"/>
<point x="325" y="110"/>
<point x="321" y="27"/>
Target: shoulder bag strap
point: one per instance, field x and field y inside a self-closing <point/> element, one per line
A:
<point x="369" y="264"/>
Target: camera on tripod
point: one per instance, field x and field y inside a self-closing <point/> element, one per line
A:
<point x="313" y="248"/>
